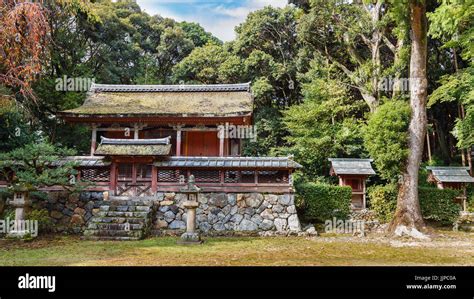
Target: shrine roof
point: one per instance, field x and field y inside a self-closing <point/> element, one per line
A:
<point x="349" y="166"/>
<point x="215" y="100"/>
<point x="450" y="174"/>
<point x="134" y="147"/>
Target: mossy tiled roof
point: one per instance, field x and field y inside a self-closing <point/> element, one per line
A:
<point x="167" y="100"/>
<point x="133" y="150"/>
<point x="134" y="147"/>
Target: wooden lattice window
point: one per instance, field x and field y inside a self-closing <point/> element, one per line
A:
<point x="171" y="175"/>
<point x="125" y="172"/>
<point x="247" y="176"/>
<point x="206" y="176"/>
<point x="243" y="176"/>
<point x="144" y="171"/>
<point x="232" y="176"/>
<point x="273" y="176"/>
<point x="97" y="174"/>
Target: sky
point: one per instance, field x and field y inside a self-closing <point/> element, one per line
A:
<point x="216" y="16"/>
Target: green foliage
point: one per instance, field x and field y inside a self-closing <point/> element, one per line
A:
<point x="270" y="133"/>
<point x="439" y="205"/>
<point x="14" y="130"/>
<point x="436" y="204"/>
<point x="45" y="223"/>
<point x="386" y="137"/>
<point x="320" y="202"/>
<point x="323" y="126"/>
<point x="383" y="201"/>
<point x="208" y="64"/>
<point x="267" y="42"/>
<point x="197" y="34"/>
<point x="4" y="194"/>
<point x="33" y="165"/>
<point x="452" y="23"/>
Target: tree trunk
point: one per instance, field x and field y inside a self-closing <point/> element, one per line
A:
<point x="408" y="219"/>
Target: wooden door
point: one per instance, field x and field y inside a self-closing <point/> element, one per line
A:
<point x="134" y="179"/>
<point x="202" y="144"/>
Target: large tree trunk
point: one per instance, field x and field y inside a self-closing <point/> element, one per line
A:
<point x="408" y="219"/>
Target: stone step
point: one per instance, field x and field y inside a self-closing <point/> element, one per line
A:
<point x="125" y="208"/>
<point x="114" y="233"/>
<point x="123" y="214"/>
<point x="121" y="218"/>
<point x="116" y="226"/>
<point x="131" y="220"/>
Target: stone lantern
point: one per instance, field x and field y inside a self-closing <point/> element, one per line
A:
<point x="192" y="191"/>
<point x="22" y="203"/>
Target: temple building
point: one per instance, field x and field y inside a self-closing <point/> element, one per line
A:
<point x="146" y="140"/>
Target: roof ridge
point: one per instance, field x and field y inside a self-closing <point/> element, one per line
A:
<point x="351" y="159"/>
<point x="447" y="167"/>
<point x="169" y="88"/>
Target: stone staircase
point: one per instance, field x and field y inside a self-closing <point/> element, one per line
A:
<point x="121" y="219"/>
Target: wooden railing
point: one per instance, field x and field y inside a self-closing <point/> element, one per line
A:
<point x="215" y="180"/>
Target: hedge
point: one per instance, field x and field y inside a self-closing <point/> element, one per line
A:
<point x="383" y="201"/>
<point x="436" y="204"/>
<point x="320" y="202"/>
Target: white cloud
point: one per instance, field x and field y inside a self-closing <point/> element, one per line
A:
<point x="214" y="15"/>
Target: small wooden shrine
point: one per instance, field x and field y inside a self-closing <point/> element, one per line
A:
<point x="353" y="173"/>
<point x="453" y="178"/>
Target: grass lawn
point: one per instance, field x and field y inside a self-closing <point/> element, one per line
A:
<point x="446" y="249"/>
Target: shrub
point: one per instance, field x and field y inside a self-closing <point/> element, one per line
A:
<point x="45" y="223"/>
<point x="320" y="202"/>
<point x="386" y="136"/>
<point x="436" y="204"/>
<point x="439" y="205"/>
<point x="383" y="201"/>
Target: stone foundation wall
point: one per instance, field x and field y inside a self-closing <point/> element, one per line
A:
<point x="70" y="212"/>
<point x="223" y="213"/>
<point x="217" y="214"/>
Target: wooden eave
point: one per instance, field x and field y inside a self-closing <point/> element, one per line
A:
<point x="158" y="119"/>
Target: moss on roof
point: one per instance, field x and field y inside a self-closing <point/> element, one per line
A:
<point x="166" y="103"/>
<point x="133" y="150"/>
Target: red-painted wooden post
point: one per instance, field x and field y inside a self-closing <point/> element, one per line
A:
<point x="93" y="139"/>
<point x="113" y="177"/>
<point x="154" y="179"/>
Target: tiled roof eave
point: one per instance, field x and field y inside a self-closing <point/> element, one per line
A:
<point x="229" y="162"/>
<point x="351" y="166"/>
<point x="153" y="115"/>
<point x="170" y="88"/>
